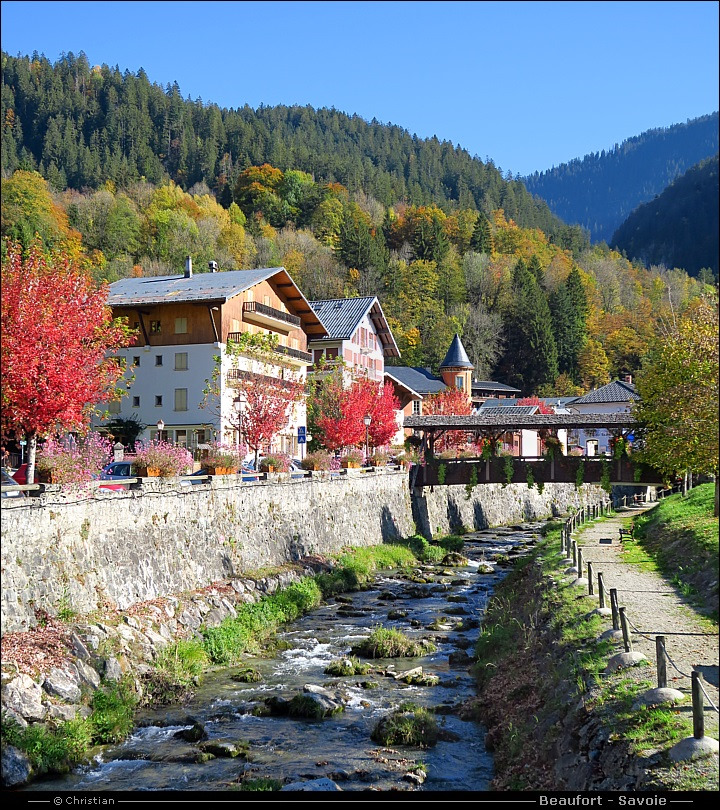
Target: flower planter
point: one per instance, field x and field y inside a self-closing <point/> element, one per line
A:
<point x="349" y="465"/>
<point x="148" y="472"/>
<point x="210" y="469"/>
<point x="268" y="469"/>
<point x="44" y="477"/>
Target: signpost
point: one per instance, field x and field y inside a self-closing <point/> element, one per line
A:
<point x="302" y="439"/>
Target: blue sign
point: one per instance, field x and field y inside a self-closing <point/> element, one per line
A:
<point x="301" y="434"/>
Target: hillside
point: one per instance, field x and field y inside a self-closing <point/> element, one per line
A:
<point x="600" y="190"/>
<point x="80" y="126"/>
<point x="678" y="228"/>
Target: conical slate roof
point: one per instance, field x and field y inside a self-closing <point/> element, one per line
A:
<point x="456" y="356"/>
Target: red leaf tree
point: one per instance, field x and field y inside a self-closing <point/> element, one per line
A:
<point x="338" y="411"/>
<point x="56" y="331"/>
<point x="451" y="402"/>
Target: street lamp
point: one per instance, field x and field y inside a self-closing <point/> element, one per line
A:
<point x="160" y="427"/>
<point x="367" y="419"/>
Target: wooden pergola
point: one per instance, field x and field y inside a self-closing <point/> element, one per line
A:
<point x="433" y="426"/>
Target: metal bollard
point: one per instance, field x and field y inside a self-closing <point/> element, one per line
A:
<point x="661" y="662"/>
<point x="698" y="709"/>
<point x="625" y="630"/>
<point x="591" y="587"/>
<point x="601" y="589"/>
<point x="614" y="608"/>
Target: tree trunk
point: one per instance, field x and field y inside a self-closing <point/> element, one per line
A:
<point x="31" y="449"/>
<point x="717" y="495"/>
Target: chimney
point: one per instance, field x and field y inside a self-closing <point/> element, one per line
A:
<point x="188" y="267"/>
<point x="628" y="379"/>
<point x="213" y="267"/>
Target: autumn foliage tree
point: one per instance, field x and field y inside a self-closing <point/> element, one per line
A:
<point x="337" y="410"/>
<point x="56" y="332"/>
<point x="451" y="402"/>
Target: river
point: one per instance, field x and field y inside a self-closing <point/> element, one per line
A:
<point x="443" y="603"/>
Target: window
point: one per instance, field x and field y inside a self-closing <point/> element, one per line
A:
<point x="181" y="361"/>
<point x="250" y="295"/>
<point x="158" y="359"/>
<point x="136" y="402"/>
<point x="417" y="407"/>
<point x="459" y="382"/>
<point x="136" y="360"/>
<point x="155" y="328"/>
<point x="114" y="407"/>
<point x="180" y="326"/>
<point x="331" y="353"/>
<point x="181" y="399"/>
<point x="267" y="301"/>
<point x="317" y="354"/>
<point x="158" y="401"/>
<point x="181" y="438"/>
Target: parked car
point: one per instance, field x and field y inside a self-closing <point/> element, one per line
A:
<point x="117" y="469"/>
<point x="14" y="491"/>
<point x="20" y="475"/>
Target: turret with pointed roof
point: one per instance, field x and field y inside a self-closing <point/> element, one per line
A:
<point x="456" y="369"/>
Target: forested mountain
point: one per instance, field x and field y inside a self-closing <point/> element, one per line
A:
<point x="600" y="190"/>
<point x="80" y="126"/>
<point x="127" y="179"/>
<point x="680" y="227"/>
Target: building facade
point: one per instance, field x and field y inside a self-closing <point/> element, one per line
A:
<point x="184" y="324"/>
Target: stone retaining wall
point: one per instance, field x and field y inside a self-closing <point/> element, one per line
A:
<point x="112" y="550"/>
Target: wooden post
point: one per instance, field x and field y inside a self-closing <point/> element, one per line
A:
<point x="625" y="630"/>
<point x="574" y="553"/>
<point x="579" y="562"/>
<point x="591" y="588"/>
<point x="601" y="589"/>
<point x="661" y="662"/>
<point x="614" y="608"/>
<point x="697" y="706"/>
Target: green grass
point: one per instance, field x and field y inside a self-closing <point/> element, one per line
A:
<point x="389" y="643"/>
<point x="347" y="666"/>
<point x="58" y="747"/>
<point x="407" y="725"/>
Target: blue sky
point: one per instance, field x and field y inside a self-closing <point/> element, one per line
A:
<point x="528" y="84"/>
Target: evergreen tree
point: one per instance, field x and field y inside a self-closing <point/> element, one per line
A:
<point x="568" y="306"/>
<point x="482" y="238"/>
<point x="530" y="357"/>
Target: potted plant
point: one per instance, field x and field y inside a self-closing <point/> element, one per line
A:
<point x="379" y="458"/>
<point x="159" y="459"/>
<point x="221" y="459"/>
<point x="275" y="462"/>
<point x="73" y="460"/>
<point x="319" y="460"/>
<point x="352" y="459"/>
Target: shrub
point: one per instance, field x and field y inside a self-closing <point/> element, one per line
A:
<point x="112" y="713"/>
<point x="508" y="470"/>
<point x="353" y="457"/>
<point x="347" y="666"/>
<point x="168" y="458"/>
<point x="280" y="462"/>
<point x="319" y="460"/>
<point x="379" y="458"/>
<point x="223" y="455"/>
<point x="74" y="460"/>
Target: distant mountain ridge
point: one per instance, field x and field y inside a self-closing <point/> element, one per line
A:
<point x="680" y="227"/>
<point x="600" y="190"/>
<point x="80" y="126"/>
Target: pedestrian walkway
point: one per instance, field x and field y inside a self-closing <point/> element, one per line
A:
<point x="654" y="607"/>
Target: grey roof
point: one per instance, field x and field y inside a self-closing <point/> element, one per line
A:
<point x="510" y="410"/>
<point x="341" y="317"/>
<point x="551" y="402"/>
<point x="199" y="287"/>
<point x="493" y="386"/>
<point x="456" y="356"/>
<point x="420" y="380"/>
<point x="537" y="421"/>
<point x="616" y="391"/>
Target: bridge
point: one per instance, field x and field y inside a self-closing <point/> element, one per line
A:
<point x="513" y="469"/>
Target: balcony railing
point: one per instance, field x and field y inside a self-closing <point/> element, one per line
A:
<point x="265" y="315"/>
<point x="296" y="354"/>
<point x="235" y="374"/>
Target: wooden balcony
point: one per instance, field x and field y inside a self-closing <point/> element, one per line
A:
<point x="304" y="358"/>
<point x="269" y="317"/>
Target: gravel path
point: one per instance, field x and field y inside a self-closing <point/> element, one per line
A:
<point x="655" y="608"/>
